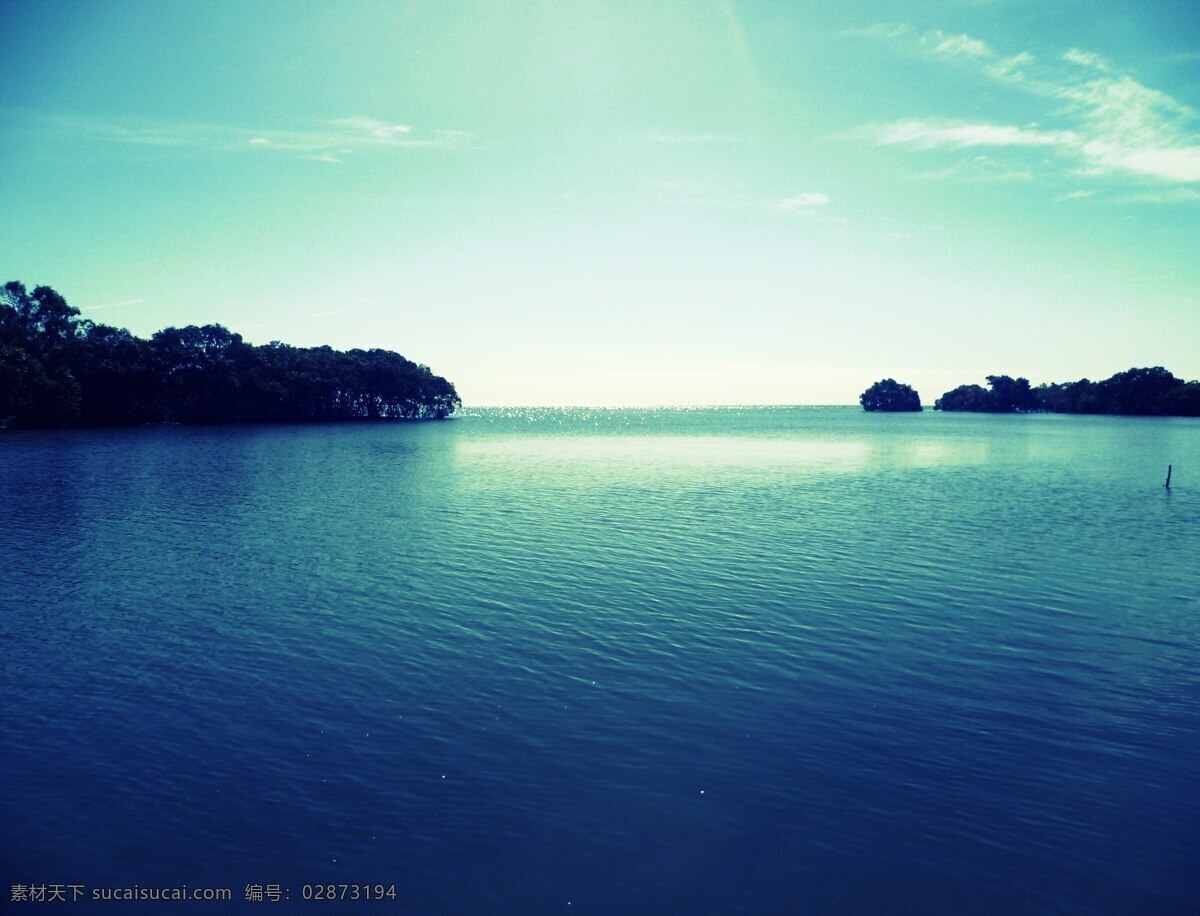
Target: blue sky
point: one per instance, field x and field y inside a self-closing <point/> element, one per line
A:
<point x="552" y="201"/>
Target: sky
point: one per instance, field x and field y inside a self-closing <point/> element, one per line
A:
<point x="625" y="203"/>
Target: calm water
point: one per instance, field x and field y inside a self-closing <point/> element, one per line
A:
<point x="761" y="661"/>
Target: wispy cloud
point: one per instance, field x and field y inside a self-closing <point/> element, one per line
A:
<point x="1112" y="124"/>
<point x="693" y="138"/>
<point x="928" y="135"/>
<point x="324" y="141"/>
<point x="111" y="305"/>
<point x="879" y="31"/>
<point x="939" y="45"/>
<point x="1166" y="196"/>
<point x="978" y="169"/>
<point x="1087" y="59"/>
<point x="1180" y="165"/>
<point x="1076" y="195"/>
<point x="377" y="129"/>
<point x="938" y="42"/>
<point x="1011" y="69"/>
<point x="804" y="201"/>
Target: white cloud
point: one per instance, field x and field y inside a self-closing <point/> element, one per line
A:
<point x="112" y="305"/>
<point x="935" y="42"/>
<point x="325" y="141"/>
<point x="927" y="136"/>
<point x="801" y="202"/>
<point x="377" y="129"/>
<point x="978" y="170"/>
<point x="1117" y="124"/>
<point x="1086" y="59"/>
<point x="1122" y="103"/>
<point x="880" y="31"/>
<point x="1105" y="155"/>
<point x="1135" y="129"/>
<point x="1010" y="69"/>
<point x="1180" y="165"/>
<point x="694" y="138"/>
<point x="932" y="42"/>
<point x="955" y="45"/>
<point x="1168" y="196"/>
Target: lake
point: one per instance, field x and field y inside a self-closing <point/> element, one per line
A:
<point x="739" y="660"/>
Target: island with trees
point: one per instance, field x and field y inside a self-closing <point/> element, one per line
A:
<point x="58" y="369"/>
<point x="888" y="395"/>
<point x="1134" y="392"/>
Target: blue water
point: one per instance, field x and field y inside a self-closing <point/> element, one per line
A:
<point x="695" y="661"/>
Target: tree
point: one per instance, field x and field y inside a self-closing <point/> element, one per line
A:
<point x="1183" y="401"/>
<point x="57" y="369"/>
<point x="38" y="332"/>
<point x="964" y="397"/>
<point x="1067" y="397"/>
<point x="1011" y="395"/>
<point x="38" y="322"/>
<point x="1138" y="391"/>
<point x="1007" y="395"/>
<point x="21" y="378"/>
<point x="1152" y="392"/>
<point x="890" y="395"/>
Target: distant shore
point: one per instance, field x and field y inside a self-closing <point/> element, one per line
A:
<point x="1147" y="392"/>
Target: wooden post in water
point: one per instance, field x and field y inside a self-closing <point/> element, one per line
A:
<point x="1168" y="483"/>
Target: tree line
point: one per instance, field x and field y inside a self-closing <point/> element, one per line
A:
<point x="1138" y="392"/>
<point x="1141" y="392"/>
<point x="58" y="369"/>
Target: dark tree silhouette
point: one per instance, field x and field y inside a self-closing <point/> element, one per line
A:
<point x="1138" y="391"/>
<point x="1011" y="395"/>
<point x="1007" y="395"/>
<point x="59" y="370"/>
<point x="965" y="397"/>
<point x="890" y="395"/>
<point x="1147" y="392"/>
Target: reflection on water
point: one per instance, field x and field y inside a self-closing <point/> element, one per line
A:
<point x="737" y="660"/>
<point x="582" y="456"/>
